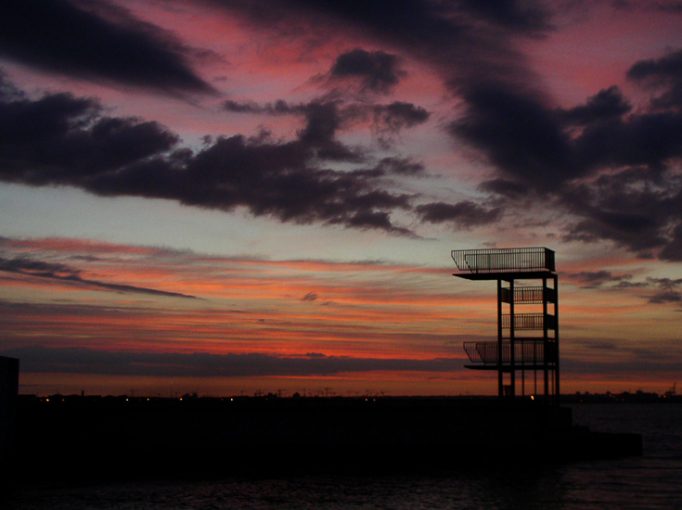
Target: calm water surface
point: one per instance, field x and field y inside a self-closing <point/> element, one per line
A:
<point x="651" y="481"/>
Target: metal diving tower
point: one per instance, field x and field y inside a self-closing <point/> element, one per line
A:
<point x="527" y="346"/>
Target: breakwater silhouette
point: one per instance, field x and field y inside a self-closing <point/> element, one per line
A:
<point x="104" y="437"/>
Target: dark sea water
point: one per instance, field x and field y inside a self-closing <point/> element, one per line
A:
<point x="653" y="480"/>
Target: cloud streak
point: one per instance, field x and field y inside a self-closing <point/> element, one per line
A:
<point x="89" y="361"/>
<point x="464" y="214"/>
<point x="62" y="273"/>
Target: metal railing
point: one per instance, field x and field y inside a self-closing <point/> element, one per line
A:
<point x="529" y="321"/>
<point x="527" y="294"/>
<point x="526" y="352"/>
<point x="488" y="260"/>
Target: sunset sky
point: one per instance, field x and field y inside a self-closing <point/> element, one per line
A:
<point x="232" y="196"/>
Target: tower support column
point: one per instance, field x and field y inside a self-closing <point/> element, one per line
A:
<point x="512" y="342"/>
<point x="500" y="375"/>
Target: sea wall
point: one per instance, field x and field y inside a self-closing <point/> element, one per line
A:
<point x="9" y="385"/>
<point x="167" y="436"/>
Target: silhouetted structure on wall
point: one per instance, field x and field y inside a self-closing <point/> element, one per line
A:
<point x="527" y="346"/>
<point x="9" y="385"/>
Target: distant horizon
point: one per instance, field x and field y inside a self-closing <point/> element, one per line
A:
<point x="640" y="392"/>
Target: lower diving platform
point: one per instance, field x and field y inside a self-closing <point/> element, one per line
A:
<point x="529" y="354"/>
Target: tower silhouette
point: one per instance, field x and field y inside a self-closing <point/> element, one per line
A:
<point x="526" y="354"/>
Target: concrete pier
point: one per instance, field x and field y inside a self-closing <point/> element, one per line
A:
<point x="166" y="437"/>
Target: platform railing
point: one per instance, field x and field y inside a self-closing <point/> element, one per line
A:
<point x="529" y="321"/>
<point x="525" y="352"/>
<point x="489" y="260"/>
<point x="527" y="294"/>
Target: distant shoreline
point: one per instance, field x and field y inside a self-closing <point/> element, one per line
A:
<point x="572" y="398"/>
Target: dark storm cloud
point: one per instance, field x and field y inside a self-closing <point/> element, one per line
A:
<point x="398" y="115"/>
<point x="673" y="250"/>
<point x="627" y="284"/>
<point x="59" y="139"/>
<point x="323" y="120"/>
<point x="637" y="231"/>
<point x="96" y="42"/>
<point x="593" y="279"/>
<point x="534" y="147"/>
<point x="66" y="274"/>
<point x="466" y="42"/>
<point x="636" y="204"/>
<point x="666" y="283"/>
<point x="269" y="178"/>
<point x="664" y="73"/>
<point x="385" y="18"/>
<point x="377" y="71"/>
<point x="606" y="104"/>
<point x="504" y="187"/>
<point x="325" y="117"/>
<point x="669" y="290"/>
<point x="75" y="360"/>
<point x="473" y="48"/>
<point x="670" y="6"/>
<point x="279" y="107"/>
<point x="668" y="296"/>
<point x="527" y="141"/>
<point x="509" y="120"/>
<point x="657" y="290"/>
<point x="520" y="136"/>
<point x="412" y="20"/>
<point x="637" y="208"/>
<point x="517" y="15"/>
<point x="399" y="166"/>
<point x="464" y="214"/>
<point x="647" y="139"/>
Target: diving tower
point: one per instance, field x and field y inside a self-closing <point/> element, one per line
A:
<point x="526" y="353"/>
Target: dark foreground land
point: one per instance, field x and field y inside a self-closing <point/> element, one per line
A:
<point x="81" y="437"/>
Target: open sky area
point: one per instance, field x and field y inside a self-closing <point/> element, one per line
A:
<point x="233" y="196"/>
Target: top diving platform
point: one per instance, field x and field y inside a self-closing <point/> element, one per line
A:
<point x="503" y="263"/>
